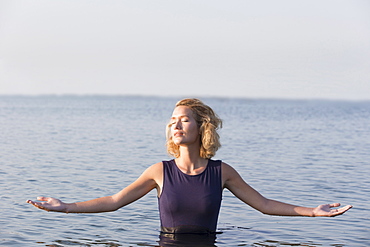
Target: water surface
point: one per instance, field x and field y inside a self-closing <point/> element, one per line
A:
<point x="80" y="148"/>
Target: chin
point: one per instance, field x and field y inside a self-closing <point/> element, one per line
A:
<point x="178" y="143"/>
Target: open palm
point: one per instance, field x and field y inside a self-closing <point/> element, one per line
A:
<point x="326" y="210"/>
<point x="49" y="204"/>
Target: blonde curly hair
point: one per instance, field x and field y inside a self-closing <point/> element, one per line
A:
<point x="208" y="124"/>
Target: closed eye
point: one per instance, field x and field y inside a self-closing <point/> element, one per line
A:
<point x="183" y="118"/>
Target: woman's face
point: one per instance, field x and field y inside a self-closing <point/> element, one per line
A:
<point x="184" y="128"/>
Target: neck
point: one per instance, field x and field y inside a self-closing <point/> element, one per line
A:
<point x="190" y="161"/>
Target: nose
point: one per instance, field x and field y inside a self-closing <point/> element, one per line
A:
<point x="177" y="125"/>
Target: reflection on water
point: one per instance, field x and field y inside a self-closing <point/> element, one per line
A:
<point x="187" y="239"/>
<point x="84" y="242"/>
<point x="272" y="243"/>
<point x="172" y="240"/>
<point x="165" y="240"/>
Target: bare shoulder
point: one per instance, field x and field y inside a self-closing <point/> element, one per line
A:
<point x="228" y="174"/>
<point x="226" y="166"/>
<point x="157" y="166"/>
<point x="155" y="173"/>
<point x="152" y="175"/>
<point x="154" y="170"/>
<point x="228" y="170"/>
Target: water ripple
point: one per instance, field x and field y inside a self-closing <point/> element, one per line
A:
<point x="79" y="148"/>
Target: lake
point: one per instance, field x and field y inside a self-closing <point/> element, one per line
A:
<point x="305" y="152"/>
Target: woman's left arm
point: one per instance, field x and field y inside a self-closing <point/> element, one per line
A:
<point x="234" y="182"/>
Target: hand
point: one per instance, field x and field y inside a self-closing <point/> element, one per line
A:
<point x="49" y="204"/>
<point x="325" y="210"/>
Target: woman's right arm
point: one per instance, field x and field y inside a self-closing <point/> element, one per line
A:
<point x="151" y="178"/>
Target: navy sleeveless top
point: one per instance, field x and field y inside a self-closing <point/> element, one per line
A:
<point x="190" y="203"/>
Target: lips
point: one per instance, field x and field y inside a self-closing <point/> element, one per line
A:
<point x="177" y="134"/>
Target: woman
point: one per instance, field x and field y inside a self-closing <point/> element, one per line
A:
<point x="190" y="186"/>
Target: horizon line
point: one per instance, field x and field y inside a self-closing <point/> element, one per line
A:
<point x="182" y="96"/>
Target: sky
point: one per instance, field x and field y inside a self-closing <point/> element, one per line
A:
<point x="308" y="49"/>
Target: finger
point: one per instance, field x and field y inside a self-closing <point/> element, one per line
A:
<point x="36" y="204"/>
<point x="342" y="210"/>
<point x="334" y="205"/>
<point x="42" y="198"/>
<point x="39" y="205"/>
<point x="30" y="202"/>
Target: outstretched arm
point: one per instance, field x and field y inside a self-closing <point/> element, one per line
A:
<point x="149" y="180"/>
<point x="233" y="182"/>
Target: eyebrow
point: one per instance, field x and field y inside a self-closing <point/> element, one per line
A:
<point x="181" y="116"/>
